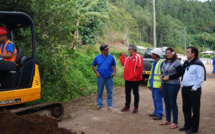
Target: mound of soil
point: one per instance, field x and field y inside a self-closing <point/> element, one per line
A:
<point x="29" y="124"/>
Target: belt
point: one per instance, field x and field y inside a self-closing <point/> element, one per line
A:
<point x="187" y="86"/>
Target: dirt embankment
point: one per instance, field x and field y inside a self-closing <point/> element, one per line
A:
<point x="29" y="124"/>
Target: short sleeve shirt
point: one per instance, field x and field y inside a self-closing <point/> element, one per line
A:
<point x="10" y="47"/>
<point x="104" y="65"/>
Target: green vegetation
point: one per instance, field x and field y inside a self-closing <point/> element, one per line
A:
<point x="172" y="17"/>
<point x="67" y="32"/>
<point x="78" y="77"/>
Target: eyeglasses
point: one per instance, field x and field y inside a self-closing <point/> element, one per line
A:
<point x="106" y="49"/>
<point x="130" y="49"/>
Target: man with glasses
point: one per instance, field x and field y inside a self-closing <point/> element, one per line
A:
<point x="8" y="52"/>
<point x="194" y="75"/>
<point x="105" y="71"/>
<point x="133" y="68"/>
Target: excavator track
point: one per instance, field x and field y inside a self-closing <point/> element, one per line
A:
<point x="56" y="109"/>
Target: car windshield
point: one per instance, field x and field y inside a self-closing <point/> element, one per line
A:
<point x="148" y="54"/>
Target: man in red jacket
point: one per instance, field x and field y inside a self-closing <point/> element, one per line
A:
<point x="133" y="68"/>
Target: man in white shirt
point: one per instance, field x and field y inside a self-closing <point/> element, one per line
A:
<point x="194" y="75"/>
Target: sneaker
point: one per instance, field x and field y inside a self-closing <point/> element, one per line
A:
<point x="110" y="108"/>
<point x="152" y="115"/>
<point x="135" y="110"/>
<point x="157" y="118"/>
<point x="125" y="109"/>
<point x="98" y="107"/>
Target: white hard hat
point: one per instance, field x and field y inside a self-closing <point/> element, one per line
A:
<point x="157" y="51"/>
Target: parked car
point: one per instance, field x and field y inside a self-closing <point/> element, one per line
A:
<point x="182" y="58"/>
<point x="148" y="61"/>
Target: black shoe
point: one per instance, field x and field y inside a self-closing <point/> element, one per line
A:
<point x="135" y="110"/>
<point x="157" y="118"/>
<point x="190" y="131"/>
<point x="125" y="109"/>
<point x="152" y="115"/>
<point x="183" y="129"/>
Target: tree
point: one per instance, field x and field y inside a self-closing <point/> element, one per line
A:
<point x="87" y="10"/>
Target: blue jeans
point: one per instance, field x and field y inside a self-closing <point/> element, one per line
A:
<point x="170" y="92"/>
<point x="109" y="88"/>
<point x="213" y="69"/>
<point x="158" y="103"/>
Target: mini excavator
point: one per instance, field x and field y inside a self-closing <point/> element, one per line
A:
<point x="23" y="85"/>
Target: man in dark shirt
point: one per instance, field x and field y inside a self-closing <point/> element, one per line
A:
<point x="194" y="75"/>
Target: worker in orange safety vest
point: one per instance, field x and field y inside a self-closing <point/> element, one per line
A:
<point x="8" y="52"/>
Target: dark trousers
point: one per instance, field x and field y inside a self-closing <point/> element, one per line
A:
<point x="7" y="66"/>
<point x="135" y="86"/>
<point x="191" y="107"/>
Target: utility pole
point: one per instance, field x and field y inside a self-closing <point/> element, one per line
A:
<point x="185" y="42"/>
<point x="190" y="43"/>
<point x="154" y="24"/>
<point x="140" y="38"/>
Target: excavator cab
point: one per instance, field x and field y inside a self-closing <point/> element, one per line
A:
<point x="23" y="85"/>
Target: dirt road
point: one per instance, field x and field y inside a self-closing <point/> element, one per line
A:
<point x="82" y="116"/>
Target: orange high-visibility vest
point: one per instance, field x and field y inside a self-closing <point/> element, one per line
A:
<point x="5" y="51"/>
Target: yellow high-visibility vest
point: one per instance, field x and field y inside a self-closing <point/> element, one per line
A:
<point x="157" y="73"/>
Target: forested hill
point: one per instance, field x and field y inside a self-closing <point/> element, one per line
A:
<point x="67" y="32"/>
<point x="172" y="17"/>
<point x="90" y="21"/>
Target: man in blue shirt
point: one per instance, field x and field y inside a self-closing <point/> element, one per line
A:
<point x="105" y="71"/>
<point x="194" y="75"/>
<point x="153" y="83"/>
